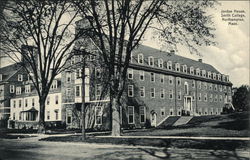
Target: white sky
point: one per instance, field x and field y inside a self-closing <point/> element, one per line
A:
<point x="231" y="55"/>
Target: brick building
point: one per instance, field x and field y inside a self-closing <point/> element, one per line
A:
<point x="160" y="84"/>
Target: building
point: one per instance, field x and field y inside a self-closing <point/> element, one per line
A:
<point x="160" y="84"/>
<point x="10" y="76"/>
<point x="25" y="106"/>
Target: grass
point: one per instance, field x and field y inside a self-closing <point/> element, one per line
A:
<point x="173" y="143"/>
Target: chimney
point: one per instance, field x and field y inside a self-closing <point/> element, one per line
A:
<point x="200" y="60"/>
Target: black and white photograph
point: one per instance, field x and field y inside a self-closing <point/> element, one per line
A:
<point x="124" y="80"/>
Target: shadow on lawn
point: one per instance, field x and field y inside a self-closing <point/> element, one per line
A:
<point x="227" y="155"/>
<point x="239" y="122"/>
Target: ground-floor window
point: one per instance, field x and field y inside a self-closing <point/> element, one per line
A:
<point x="142" y="114"/>
<point x="69" y="117"/>
<point x="171" y="112"/>
<point x="48" y="115"/>
<point x="130" y="114"/>
<point x="14" y="116"/>
<point x="98" y="115"/>
<point x="163" y="112"/>
<point x="56" y="112"/>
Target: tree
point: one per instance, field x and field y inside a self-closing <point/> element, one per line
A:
<point x="241" y="98"/>
<point x="47" y="26"/>
<point x="119" y="27"/>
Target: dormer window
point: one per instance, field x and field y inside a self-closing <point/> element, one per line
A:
<point x="191" y="70"/>
<point x="1" y="77"/>
<point x="27" y="88"/>
<point x="140" y="58"/>
<point x="12" y="89"/>
<point x="177" y="67"/>
<point x="184" y="68"/>
<point x="219" y="77"/>
<point x="160" y="63"/>
<point x="20" y="77"/>
<point x="227" y="78"/>
<point x="151" y="61"/>
<point x="198" y="72"/>
<point x="54" y="84"/>
<point x="209" y="74"/>
<point x="223" y="78"/>
<point x="214" y="75"/>
<point x="169" y="65"/>
<point x="203" y="73"/>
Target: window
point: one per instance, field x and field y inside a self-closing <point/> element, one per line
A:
<point x="14" y="104"/>
<point x="141" y="73"/>
<point x="227" y="78"/>
<point x="20" y="77"/>
<point x="97" y="72"/>
<point x="169" y="65"/>
<point x="12" y="89"/>
<point x="219" y="77"/>
<point x="56" y="114"/>
<point x="178" y="81"/>
<point x="229" y="89"/>
<point x="54" y="84"/>
<point x="193" y="97"/>
<point x="179" y="95"/>
<point x="27" y="88"/>
<point x="68" y="91"/>
<point x="193" y="83"/>
<point x="199" y="97"/>
<point x="48" y="115"/>
<point x="160" y="63"/>
<point x="162" y="93"/>
<point x="130" y="90"/>
<point x="18" y="90"/>
<point x="215" y="87"/>
<point x="20" y="116"/>
<point x="152" y="92"/>
<point x="210" y="86"/>
<point x="1" y="77"/>
<point x="98" y="115"/>
<point x="162" y="78"/>
<point x="48" y="100"/>
<point x="26" y="102"/>
<point x="211" y="97"/>
<point x="186" y="88"/>
<point x="205" y="97"/>
<point x="56" y="99"/>
<point x="198" y="72"/>
<point x="151" y="61"/>
<point x="171" y="111"/>
<point x="220" y="88"/>
<point x="214" y="75"/>
<point x="203" y="73"/>
<point x="98" y="91"/>
<point x="171" y="79"/>
<point x="33" y="102"/>
<point x="223" y="78"/>
<point x="77" y="91"/>
<point x="142" y="91"/>
<point x="130" y="114"/>
<point x="225" y="88"/>
<point x="130" y="73"/>
<point x="152" y="77"/>
<point x="140" y="58"/>
<point x="209" y="74"/>
<point x="170" y="94"/>
<point x="14" y="116"/>
<point x="72" y="60"/>
<point x="162" y="111"/>
<point x="142" y="114"/>
<point x="191" y="70"/>
<point x="205" y="85"/>
<point x="177" y="67"/>
<point x="68" y="77"/>
<point x="69" y="115"/>
<point x="199" y="84"/>
<point x="78" y="73"/>
<point x="215" y="98"/>
<point x="184" y="68"/>
<point x="20" y="103"/>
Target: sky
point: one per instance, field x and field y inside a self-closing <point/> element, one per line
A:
<point x="231" y="55"/>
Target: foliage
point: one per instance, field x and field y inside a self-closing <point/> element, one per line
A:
<point x="241" y="98"/>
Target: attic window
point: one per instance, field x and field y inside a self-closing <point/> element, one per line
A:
<point x="203" y="73"/>
<point x="177" y="67"/>
<point x="140" y="58"/>
<point x="191" y="70"/>
<point x="169" y="65"/>
<point x="185" y="68"/>
<point x="54" y="84"/>
<point x="27" y="88"/>
<point x="198" y="72"/>
<point x="20" y="77"/>
<point x="160" y="63"/>
<point x="1" y="77"/>
<point x="151" y="61"/>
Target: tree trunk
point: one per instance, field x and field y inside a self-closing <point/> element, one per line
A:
<point x="41" y="127"/>
<point x="116" y="125"/>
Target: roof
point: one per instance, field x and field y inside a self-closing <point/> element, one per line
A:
<point x="9" y="71"/>
<point x="166" y="56"/>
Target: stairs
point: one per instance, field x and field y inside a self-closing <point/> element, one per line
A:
<point x="182" y="120"/>
<point x="168" y="122"/>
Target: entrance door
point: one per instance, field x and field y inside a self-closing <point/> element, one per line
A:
<point x="153" y="119"/>
<point x="189" y="104"/>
